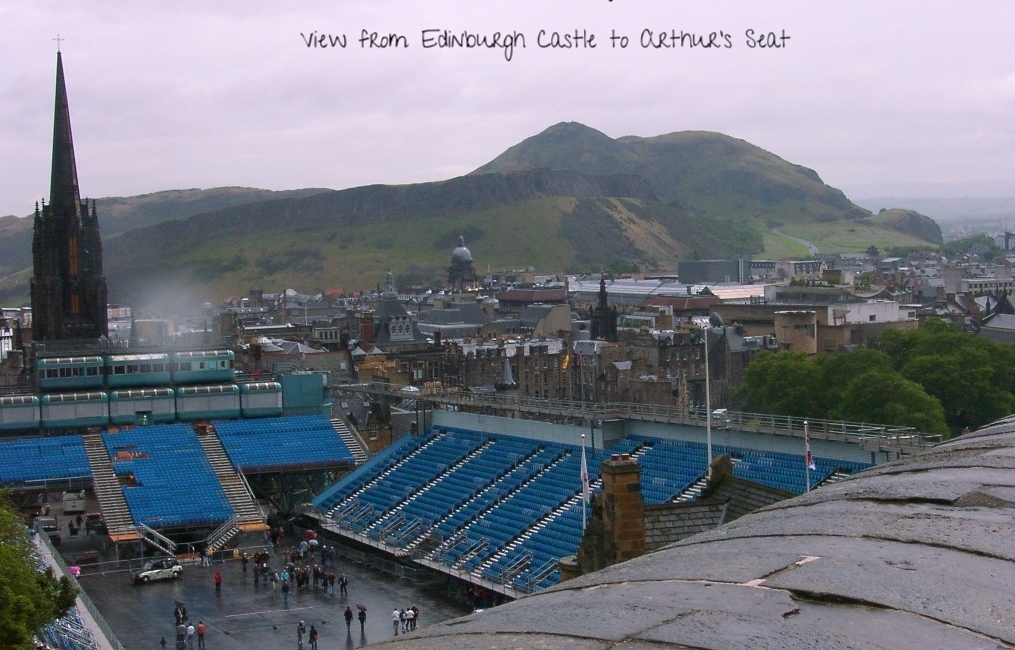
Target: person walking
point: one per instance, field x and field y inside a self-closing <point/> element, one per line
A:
<point x="343" y="585"/>
<point x="218" y="582"/>
<point x="348" y="619"/>
<point x="409" y="620"/>
<point x="396" y="620"/>
<point x="181" y="637"/>
<point x="190" y="636"/>
<point x="362" y="620"/>
<point x="313" y="638"/>
<point x="200" y="635"/>
<point x="301" y="629"/>
<point x="285" y="593"/>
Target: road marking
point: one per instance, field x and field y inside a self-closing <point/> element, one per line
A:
<point x="268" y="611"/>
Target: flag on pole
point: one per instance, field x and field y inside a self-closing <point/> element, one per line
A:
<point x="810" y="459"/>
<point x="585" y="476"/>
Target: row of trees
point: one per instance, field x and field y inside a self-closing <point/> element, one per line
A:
<point x="29" y="598"/>
<point x="936" y="379"/>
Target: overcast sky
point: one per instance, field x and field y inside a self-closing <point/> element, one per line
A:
<point x="880" y="98"/>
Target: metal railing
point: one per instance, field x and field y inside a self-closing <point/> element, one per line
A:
<point x="83" y="599"/>
<point x="887" y="434"/>
<point x="157" y="539"/>
<point x="222" y="534"/>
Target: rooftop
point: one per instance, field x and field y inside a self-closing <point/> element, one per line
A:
<point x="911" y="554"/>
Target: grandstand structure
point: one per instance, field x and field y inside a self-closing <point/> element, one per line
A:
<point x="888" y="440"/>
<point x="180" y="483"/>
<point x="913" y="553"/>
<point x="497" y="502"/>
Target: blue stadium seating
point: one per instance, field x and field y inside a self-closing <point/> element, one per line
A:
<point x="173" y="482"/>
<point x="291" y="441"/>
<point x="508" y="508"/>
<point x="35" y="459"/>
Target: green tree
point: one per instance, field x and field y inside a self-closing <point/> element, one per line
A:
<point x="972" y="377"/>
<point x="982" y="245"/>
<point x="883" y="397"/>
<point x="29" y="598"/>
<point x="785" y="383"/>
<point x="859" y="386"/>
<point x="838" y="370"/>
<point x="964" y="383"/>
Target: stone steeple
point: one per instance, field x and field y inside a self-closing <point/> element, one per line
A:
<point x="64" y="195"/>
<point x="68" y="287"/>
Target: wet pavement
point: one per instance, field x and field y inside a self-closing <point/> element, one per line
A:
<point x="245" y="616"/>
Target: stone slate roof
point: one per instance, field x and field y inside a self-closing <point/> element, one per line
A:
<point x="727" y="499"/>
<point x="912" y="554"/>
<point x="744" y="497"/>
<point x="671" y="522"/>
<point x="532" y="313"/>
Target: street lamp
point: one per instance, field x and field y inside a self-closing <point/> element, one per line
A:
<point x="716" y="320"/>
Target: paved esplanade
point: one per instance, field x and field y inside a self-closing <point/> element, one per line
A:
<point x="916" y="554"/>
<point x="245" y="617"/>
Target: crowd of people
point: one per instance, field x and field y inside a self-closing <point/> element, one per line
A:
<point x="186" y="631"/>
<point x="303" y="566"/>
<point x="301" y="569"/>
<point x="404" y="619"/>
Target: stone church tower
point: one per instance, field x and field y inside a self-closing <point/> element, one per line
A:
<point x="68" y="287"/>
<point x="462" y="272"/>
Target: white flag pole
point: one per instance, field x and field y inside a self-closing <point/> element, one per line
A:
<point x="807" y="457"/>
<point x="585" y="484"/>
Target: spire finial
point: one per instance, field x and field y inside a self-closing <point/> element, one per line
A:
<point x="58" y="39"/>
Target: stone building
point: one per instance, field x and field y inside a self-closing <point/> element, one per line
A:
<point x="462" y="272"/>
<point x="68" y="288"/>
<point x="623" y="527"/>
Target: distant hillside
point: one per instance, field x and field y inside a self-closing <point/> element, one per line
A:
<point x="554" y="220"/>
<point x="119" y="214"/>
<point x="570" y="199"/>
<point x="709" y="173"/>
<point x="909" y="222"/>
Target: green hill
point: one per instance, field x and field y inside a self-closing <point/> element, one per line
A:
<point x="708" y="173"/>
<point x="554" y="220"/>
<point x="569" y="199"/>
<point x="120" y="214"/>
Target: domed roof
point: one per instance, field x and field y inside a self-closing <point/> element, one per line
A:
<point x="461" y="255"/>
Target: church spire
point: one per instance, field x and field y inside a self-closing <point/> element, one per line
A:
<point x="68" y="289"/>
<point x="64" y="195"/>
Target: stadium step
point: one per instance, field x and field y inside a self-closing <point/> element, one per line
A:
<point x="351" y="440"/>
<point x="115" y="513"/>
<point x="249" y="516"/>
<point x="693" y="491"/>
<point x="834" y="477"/>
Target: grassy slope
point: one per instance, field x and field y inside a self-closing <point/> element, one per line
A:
<point x="779" y="247"/>
<point x="349" y="255"/>
<point x="850" y="237"/>
<point x="692" y="195"/>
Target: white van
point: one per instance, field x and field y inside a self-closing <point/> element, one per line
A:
<point x="73" y="503"/>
